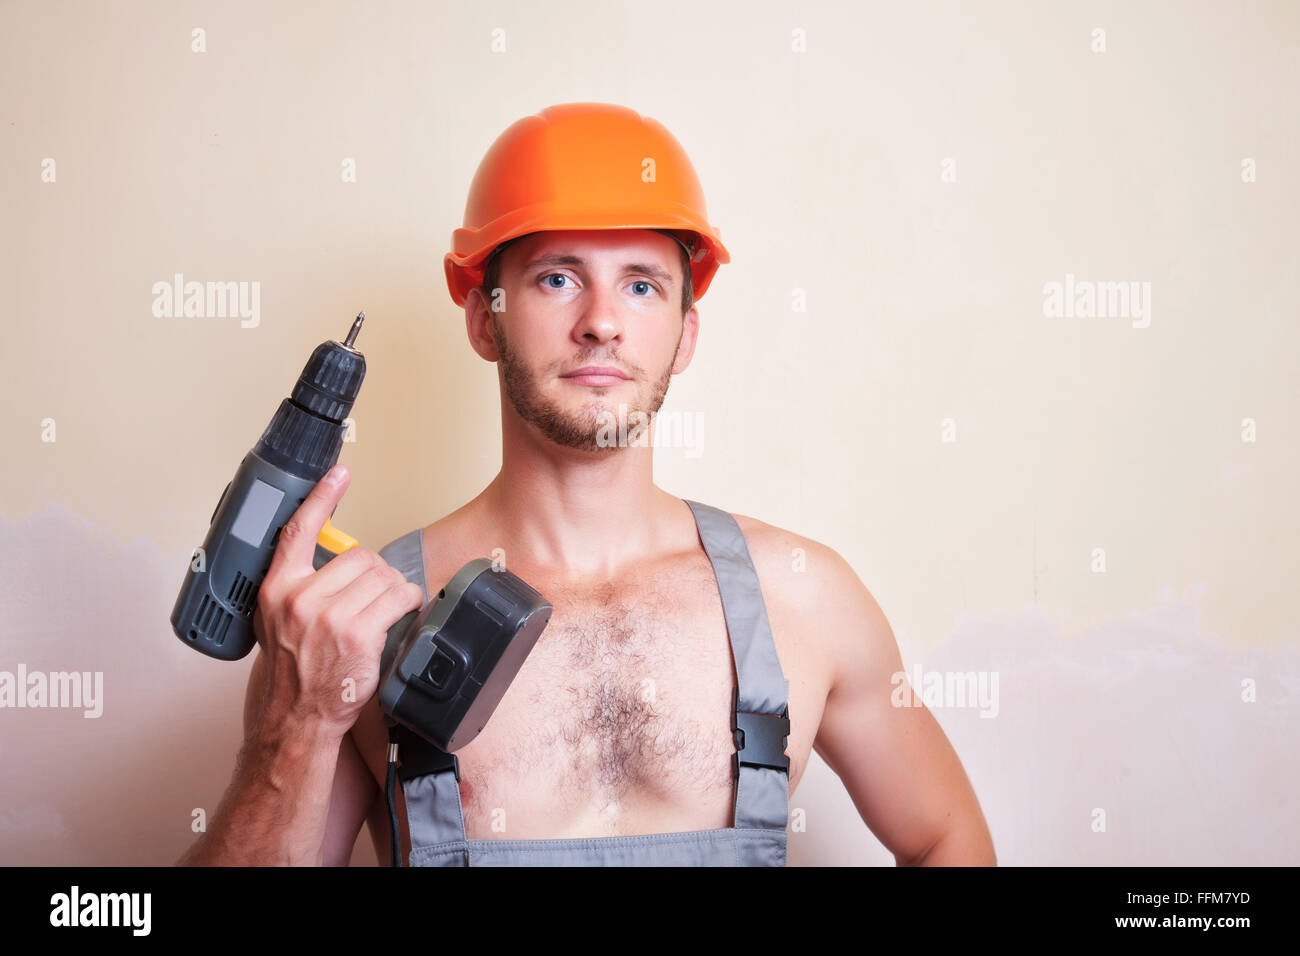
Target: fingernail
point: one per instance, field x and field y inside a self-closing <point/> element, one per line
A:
<point x="335" y="475"/>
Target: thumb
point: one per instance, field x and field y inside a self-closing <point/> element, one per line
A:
<point x="297" y="547"/>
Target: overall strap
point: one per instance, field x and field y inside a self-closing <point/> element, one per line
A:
<point x="761" y="722"/>
<point x="428" y="775"/>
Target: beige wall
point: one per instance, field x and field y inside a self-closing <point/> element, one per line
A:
<point x="825" y="169"/>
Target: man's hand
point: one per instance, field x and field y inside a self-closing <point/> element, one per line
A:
<point x="320" y="629"/>
<point x="316" y="629"/>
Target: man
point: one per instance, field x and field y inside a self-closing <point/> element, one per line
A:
<point x="578" y="271"/>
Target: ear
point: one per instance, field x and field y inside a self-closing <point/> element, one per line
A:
<point x="690" y="334"/>
<point x="478" y="325"/>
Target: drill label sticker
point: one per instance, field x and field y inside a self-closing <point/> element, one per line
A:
<point x="256" y="512"/>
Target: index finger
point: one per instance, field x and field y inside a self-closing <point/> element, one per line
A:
<point x="297" y="545"/>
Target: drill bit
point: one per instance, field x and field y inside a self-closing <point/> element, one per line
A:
<point x="356" y="327"/>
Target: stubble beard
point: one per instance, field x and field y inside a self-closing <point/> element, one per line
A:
<point x="584" y="428"/>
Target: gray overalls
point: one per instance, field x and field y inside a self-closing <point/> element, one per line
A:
<point x="760" y="726"/>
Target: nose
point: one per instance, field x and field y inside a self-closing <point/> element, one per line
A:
<point x="599" y="320"/>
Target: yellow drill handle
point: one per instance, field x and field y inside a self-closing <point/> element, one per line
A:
<point x="335" y="541"/>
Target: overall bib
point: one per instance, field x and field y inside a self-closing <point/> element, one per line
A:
<point x="760" y="725"/>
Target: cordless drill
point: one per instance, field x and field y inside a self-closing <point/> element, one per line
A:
<point x="445" y="667"/>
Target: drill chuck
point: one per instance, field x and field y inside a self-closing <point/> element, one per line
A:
<point x="305" y="435"/>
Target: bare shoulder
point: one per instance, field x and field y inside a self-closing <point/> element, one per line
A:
<point x="801" y="573"/>
<point x="819" y="594"/>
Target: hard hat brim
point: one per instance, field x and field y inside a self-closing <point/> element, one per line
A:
<point x="472" y="247"/>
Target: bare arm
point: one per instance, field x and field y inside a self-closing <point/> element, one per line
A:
<point x="896" y="762"/>
<point x="276" y="808"/>
<point x="354" y="797"/>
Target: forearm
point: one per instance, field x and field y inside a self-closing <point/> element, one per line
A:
<point x="274" y="811"/>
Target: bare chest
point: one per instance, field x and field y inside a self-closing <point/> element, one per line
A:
<point x="621" y="711"/>
<point x="619" y="721"/>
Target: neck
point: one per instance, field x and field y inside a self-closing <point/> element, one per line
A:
<point x="575" y="512"/>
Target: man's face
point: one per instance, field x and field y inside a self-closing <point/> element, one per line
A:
<point x="590" y="298"/>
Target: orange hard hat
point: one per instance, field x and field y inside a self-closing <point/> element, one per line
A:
<point x="582" y="166"/>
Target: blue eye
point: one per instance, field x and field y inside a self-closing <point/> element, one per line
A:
<point x="649" y="287"/>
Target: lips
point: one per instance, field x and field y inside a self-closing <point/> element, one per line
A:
<point x="596" y="375"/>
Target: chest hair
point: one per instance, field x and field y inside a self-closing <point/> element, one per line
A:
<point x="627" y="691"/>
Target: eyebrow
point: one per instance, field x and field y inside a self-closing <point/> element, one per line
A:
<point x="568" y="259"/>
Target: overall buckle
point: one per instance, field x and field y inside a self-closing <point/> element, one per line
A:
<point x="760" y="738"/>
<point x="417" y="757"/>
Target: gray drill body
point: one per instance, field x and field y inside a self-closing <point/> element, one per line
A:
<point x="757" y="836"/>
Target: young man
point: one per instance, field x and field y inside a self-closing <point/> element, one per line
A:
<point x="578" y="271"/>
